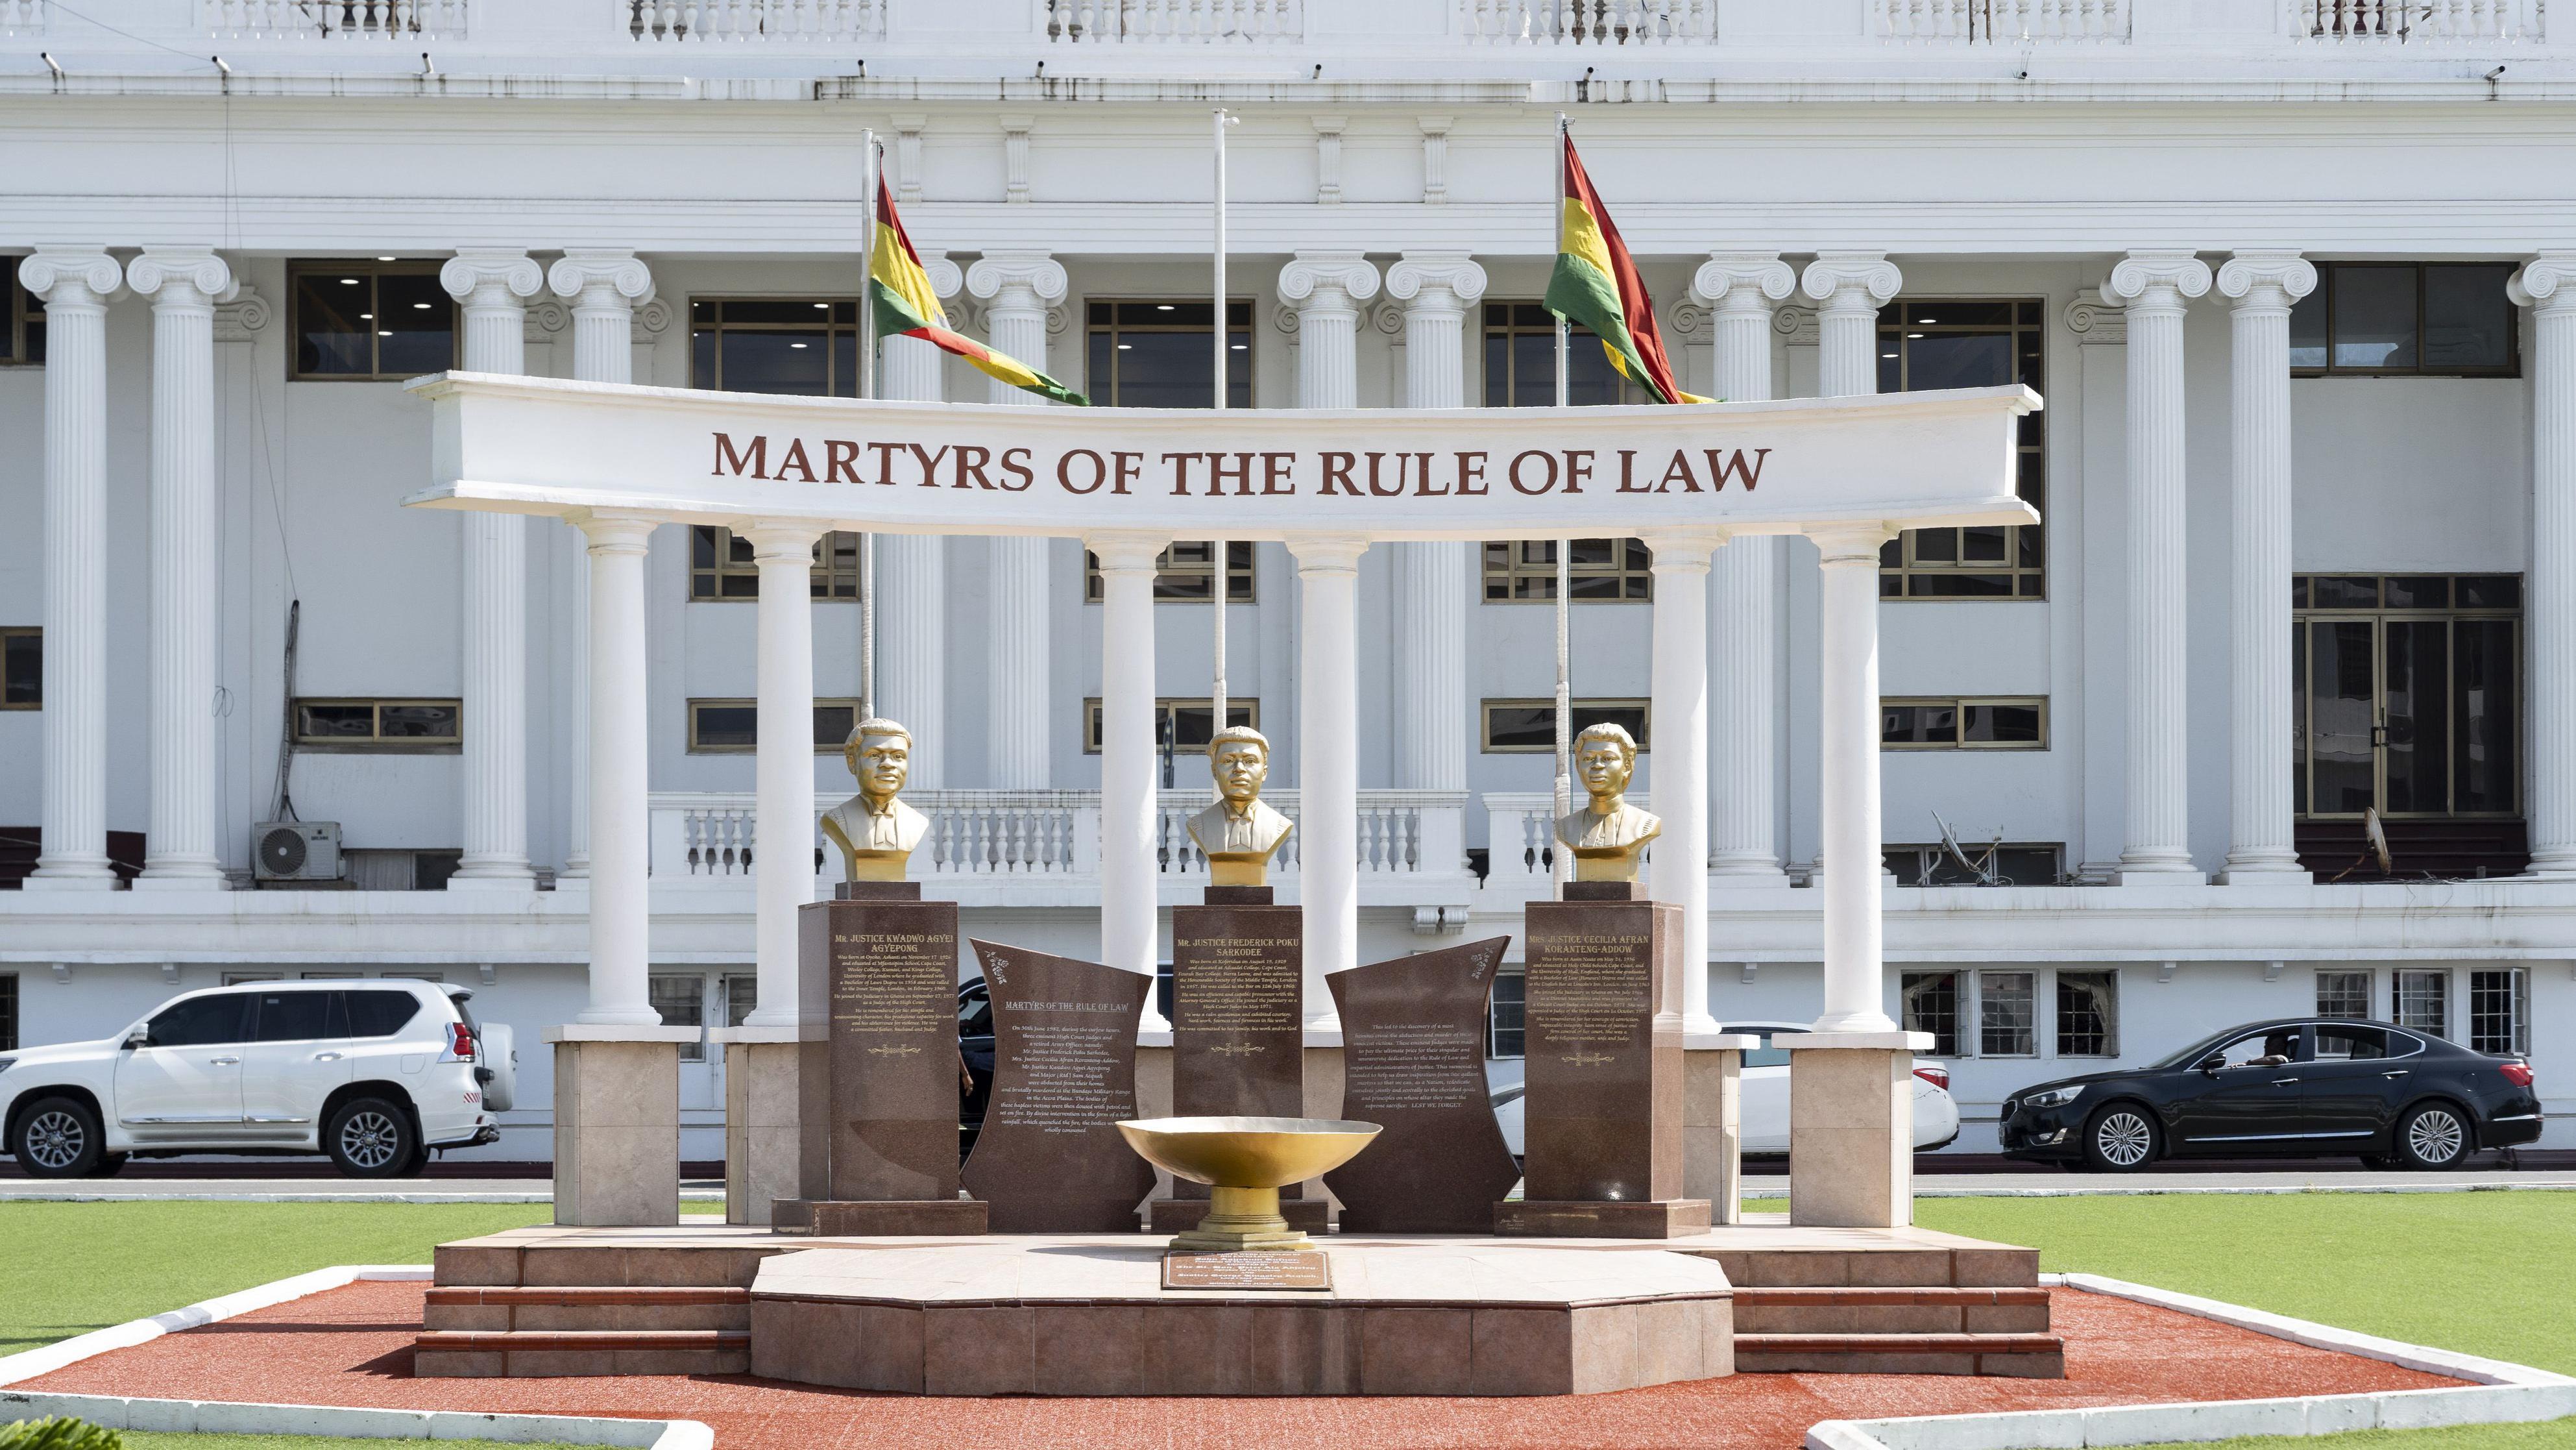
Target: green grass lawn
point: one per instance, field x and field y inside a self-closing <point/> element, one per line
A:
<point x="149" y="1440"/>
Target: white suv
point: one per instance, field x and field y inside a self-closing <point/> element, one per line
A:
<point x="375" y="1074"/>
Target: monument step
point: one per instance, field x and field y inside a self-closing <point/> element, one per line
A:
<point x="676" y="1261"/>
<point x="1907" y="1311"/>
<point x="537" y="1354"/>
<point x="602" y="1308"/>
<point x="2019" y="1356"/>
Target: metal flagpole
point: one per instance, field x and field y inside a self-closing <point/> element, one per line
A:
<point x="1217" y="352"/>
<point x="1561" y="869"/>
<point x="869" y="180"/>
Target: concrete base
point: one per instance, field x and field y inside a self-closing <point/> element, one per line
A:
<point x="845" y="1218"/>
<point x="1712" y="1131"/>
<point x="768" y="1095"/>
<point x="1669" y="1218"/>
<point x="1851" y="1136"/>
<point x="1179" y="1215"/>
<point x="617" y="1133"/>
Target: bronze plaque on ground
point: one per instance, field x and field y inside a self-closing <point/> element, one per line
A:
<point x="891" y="981"/>
<point x="1238" y="1028"/>
<point x="1604" y="1110"/>
<point x="1049" y="1158"/>
<point x="1413" y="1062"/>
<point x="1302" y="1269"/>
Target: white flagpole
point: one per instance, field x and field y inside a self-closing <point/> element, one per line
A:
<point x="870" y="180"/>
<point x="1218" y="399"/>
<point x="1562" y="867"/>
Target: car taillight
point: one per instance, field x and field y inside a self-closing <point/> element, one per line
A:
<point x="2517" y="1073"/>
<point x="1939" y="1077"/>
<point x="461" y="1043"/>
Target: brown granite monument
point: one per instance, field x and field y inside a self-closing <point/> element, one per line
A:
<point x="1049" y="1158"/>
<point x="1413" y="1062"/>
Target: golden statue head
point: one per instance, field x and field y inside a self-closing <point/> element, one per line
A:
<point x="1605" y="756"/>
<point x="1239" y="758"/>
<point x="879" y="754"/>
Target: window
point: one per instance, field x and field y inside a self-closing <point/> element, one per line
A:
<point x="732" y="727"/>
<point x="385" y="725"/>
<point x="682" y="1001"/>
<point x="2421" y="1000"/>
<point x="2031" y="864"/>
<point x="2088" y="1014"/>
<point x="235" y="979"/>
<point x="1184" y="573"/>
<point x="298" y="1017"/>
<point x="1503" y="1015"/>
<point x="2428" y="319"/>
<point x="1597" y="571"/>
<point x="1520" y="362"/>
<point x="2500" y="1011"/>
<point x="22" y="340"/>
<point x="1528" y="727"/>
<point x="1930" y="1003"/>
<point x="2351" y="1044"/>
<point x="741" y="995"/>
<point x="2012" y="723"/>
<point x="8" y="1011"/>
<point x="22" y="668"/>
<point x="1156" y="354"/>
<point x="2406" y="695"/>
<point x="805" y="346"/>
<point x="1969" y="344"/>
<point x="721" y="565"/>
<point x="2343" y="995"/>
<point x="1178" y="722"/>
<point x="379" y="1012"/>
<point x="2004" y="1014"/>
<point x="355" y="321"/>
<point x="200" y="1021"/>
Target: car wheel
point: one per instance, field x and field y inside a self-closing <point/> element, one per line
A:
<point x="2433" y="1136"/>
<point x="2122" y="1138"/>
<point x="370" y="1138"/>
<point x="58" y="1138"/>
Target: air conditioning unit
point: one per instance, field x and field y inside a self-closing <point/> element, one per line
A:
<point x="296" y="850"/>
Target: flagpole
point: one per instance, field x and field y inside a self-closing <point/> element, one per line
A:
<point x="1218" y="399"/>
<point x="1561" y="869"/>
<point x="869" y="181"/>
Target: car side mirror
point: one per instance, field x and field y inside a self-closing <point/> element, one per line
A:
<point x="139" y="1037"/>
<point x="2212" y="1063"/>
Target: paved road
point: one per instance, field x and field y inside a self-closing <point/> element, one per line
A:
<point x="312" y="1190"/>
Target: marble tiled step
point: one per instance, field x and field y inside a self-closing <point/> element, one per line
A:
<point x="1927" y="1310"/>
<point x="2022" y="1356"/>
<point x="559" y="1308"/>
<point x="527" y="1354"/>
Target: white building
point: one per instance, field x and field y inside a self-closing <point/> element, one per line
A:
<point x="2289" y="276"/>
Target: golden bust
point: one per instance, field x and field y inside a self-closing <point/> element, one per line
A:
<point x="1239" y="833"/>
<point x="875" y="831"/>
<point x="1608" y="835"/>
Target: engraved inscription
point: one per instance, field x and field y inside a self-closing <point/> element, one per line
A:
<point x="1235" y="986"/>
<point x="1071" y="1066"/>
<point x="1306" y="1269"/>
<point x="894" y="983"/>
<point x="1590" y="996"/>
<point x="1399" y="1065"/>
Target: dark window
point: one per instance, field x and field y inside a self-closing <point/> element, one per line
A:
<point x="1963" y="724"/>
<point x="2006" y="1009"/>
<point x="721" y="565"/>
<point x="2500" y="1011"/>
<point x="22" y="338"/>
<point x="1528" y="727"/>
<point x="1184" y="573"/>
<point x="1520" y="362"/>
<point x="742" y="995"/>
<point x="363" y="320"/>
<point x="1504" y="1032"/>
<point x="1930" y="1003"/>
<point x="200" y="1021"/>
<point x="2088" y="1014"/>
<point x="1987" y="864"/>
<point x="803" y="346"/>
<point x="975" y="1010"/>
<point x="682" y="1001"/>
<point x="8" y="1010"/>
<point x="1597" y="571"/>
<point x="723" y="727"/>
<point x="294" y="1016"/>
<point x="2406" y="695"/>
<point x="386" y="725"/>
<point x="1180" y="723"/>
<point x="2428" y="319"/>
<point x="1964" y="343"/>
<point x="2344" y="995"/>
<point x="1149" y="354"/>
<point x="2421" y="999"/>
<point x="22" y="668"/>
<point x="378" y="1013"/>
<point x="2351" y="1044"/>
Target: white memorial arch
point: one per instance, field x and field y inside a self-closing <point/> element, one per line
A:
<point x="616" y="461"/>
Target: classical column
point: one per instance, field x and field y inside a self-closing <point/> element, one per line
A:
<point x="1327" y="288"/>
<point x="494" y="285"/>
<point x="912" y="574"/>
<point x="1739" y="290"/>
<point x="76" y="284"/>
<point x="2549" y="628"/>
<point x="2262" y="849"/>
<point x="1328" y="784"/>
<point x="1128" y="802"/>
<point x="1018" y="288"/>
<point x="1849" y="288"/>
<point x="1680" y="711"/>
<point x="605" y="287"/>
<point x="620" y="890"/>
<point x="783" y="761"/>
<point x="2154" y="288"/>
<point x="1435" y="581"/>
<point x="184" y="285"/>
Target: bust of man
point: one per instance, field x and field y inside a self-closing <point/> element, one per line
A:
<point x="1239" y="833"/>
<point x="875" y="831"/>
<point x="1608" y="834"/>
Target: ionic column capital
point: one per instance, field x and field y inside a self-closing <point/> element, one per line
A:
<point x="1031" y="281"/>
<point x="1851" y="543"/>
<point x="2096" y="320"/>
<point x="601" y="278"/>
<point x="70" y="276"/>
<point x="1327" y="553"/>
<point x="1745" y="281"/>
<point x="1683" y="550"/>
<point x="1327" y="281"/>
<point x="1434" y="281"/>
<point x="946" y="279"/>
<point x="493" y="277"/>
<point x="2542" y="283"/>
<point x="1125" y="551"/>
<point x="1851" y="281"/>
<point x="2157" y="281"/>
<point x="781" y="540"/>
<point x="610" y="531"/>
<point x="2268" y="279"/>
<point x="181" y="277"/>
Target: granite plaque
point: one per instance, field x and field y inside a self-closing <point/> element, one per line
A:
<point x="891" y="996"/>
<point x="1306" y="1269"/>
<point x="1049" y="1158"/>
<point x="1604" y="1110"/>
<point x="1413" y="1061"/>
<point x="1238" y="1024"/>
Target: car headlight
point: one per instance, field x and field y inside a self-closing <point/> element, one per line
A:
<point x="2052" y="1098"/>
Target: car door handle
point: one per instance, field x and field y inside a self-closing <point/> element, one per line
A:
<point x="223" y="1061"/>
<point x="2401" y="1072"/>
<point x="326" y="1057"/>
<point x="2283" y="1081"/>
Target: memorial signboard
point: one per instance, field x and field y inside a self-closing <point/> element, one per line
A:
<point x="1297" y="1269"/>
<point x="1413" y="1061"/>
<point x="1049" y="1158"/>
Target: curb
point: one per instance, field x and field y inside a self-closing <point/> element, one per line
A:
<point x="2498" y="1393"/>
<point x="290" y="1196"/>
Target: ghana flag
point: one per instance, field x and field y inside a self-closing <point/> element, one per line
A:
<point x="1596" y="285"/>
<point x="907" y="306"/>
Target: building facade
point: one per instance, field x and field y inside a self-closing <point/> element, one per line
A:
<point x="2288" y="277"/>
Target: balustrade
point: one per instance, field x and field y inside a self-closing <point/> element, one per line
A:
<point x="1520" y="837"/>
<point x="1588" y="22"/>
<point x="1978" y="22"/>
<point x="22" y="17"/>
<point x="1078" y="22"/>
<point x="396" y="20"/>
<point x="2401" y="21"/>
<point x="724" y="21"/>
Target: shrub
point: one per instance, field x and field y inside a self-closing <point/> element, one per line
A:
<point x="59" y="1433"/>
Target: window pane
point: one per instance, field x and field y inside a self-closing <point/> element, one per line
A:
<point x="294" y="1016"/>
<point x="2027" y="865"/>
<point x="332" y="337"/>
<point x="2484" y="706"/>
<point x="2374" y="317"/>
<point x="2423" y="1001"/>
<point x="2418" y="591"/>
<point x="1930" y="1003"/>
<point x="2004" y="1014"/>
<point x="2340" y="717"/>
<point x="2343" y="994"/>
<point x="1163" y="369"/>
<point x="2416" y="715"/>
<point x="201" y="1021"/>
<point x="2350" y="1044"/>
<point x="832" y="724"/>
<point x="742" y="994"/>
<point x="2468" y="320"/>
<point x="2490" y="591"/>
<point x="1505" y="1038"/>
<point x="2346" y="591"/>
<point x="2499" y="1011"/>
<point x="2001" y="724"/>
<point x="415" y="325"/>
<point x="682" y="1001"/>
<point x="22" y="669"/>
<point x="1956" y="360"/>
<point x="727" y="727"/>
<point x="764" y="361"/>
<point x="418" y="721"/>
<point x="2308" y="326"/>
<point x="336" y="722"/>
<point x="2087" y="1011"/>
<point x="380" y="1013"/>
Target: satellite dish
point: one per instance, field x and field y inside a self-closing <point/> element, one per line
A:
<point x="2370" y="827"/>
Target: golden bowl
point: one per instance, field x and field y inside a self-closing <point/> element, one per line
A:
<point x="1245" y="1162"/>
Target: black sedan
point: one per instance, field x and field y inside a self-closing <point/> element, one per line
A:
<point x="2392" y="1096"/>
<point x="975" y="1061"/>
